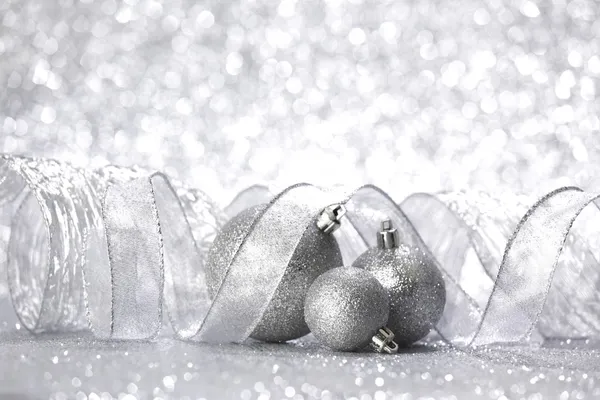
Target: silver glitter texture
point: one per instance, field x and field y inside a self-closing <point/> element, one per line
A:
<point x="415" y="287"/>
<point x="345" y="307"/>
<point x="284" y="318"/>
<point x="71" y="367"/>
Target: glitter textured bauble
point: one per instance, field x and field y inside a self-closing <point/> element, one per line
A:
<point x="345" y="307"/>
<point x="316" y="253"/>
<point x="414" y="284"/>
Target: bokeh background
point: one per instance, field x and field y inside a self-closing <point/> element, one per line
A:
<point x="422" y="95"/>
<point x="412" y="95"/>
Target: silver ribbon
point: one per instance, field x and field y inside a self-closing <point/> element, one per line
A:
<point x="120" y="251"/>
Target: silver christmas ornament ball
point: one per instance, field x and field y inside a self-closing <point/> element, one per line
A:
<point x="316" y="253"/>
<point x="414" y="284"/>
<point x="345" y="308"/>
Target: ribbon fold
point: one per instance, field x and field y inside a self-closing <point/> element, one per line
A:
<point x="121" y="251"/>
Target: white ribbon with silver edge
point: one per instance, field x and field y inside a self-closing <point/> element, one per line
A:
<point x="119" y="251"/>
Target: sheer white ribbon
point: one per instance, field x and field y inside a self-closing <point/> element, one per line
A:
<point x="118" y="250"/>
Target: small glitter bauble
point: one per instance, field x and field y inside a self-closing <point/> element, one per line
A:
<point x="345" y="307"/>
<point x="414" y="284"/>
<point x="316" y="253"/>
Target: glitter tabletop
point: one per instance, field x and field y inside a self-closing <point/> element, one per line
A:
<point x="68" y="368"/>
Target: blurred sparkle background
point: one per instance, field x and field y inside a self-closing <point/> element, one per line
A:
<point x="410" y="95"/>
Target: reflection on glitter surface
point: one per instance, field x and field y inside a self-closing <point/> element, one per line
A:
<point x="411" y="96"/>
<point x="175" y="369"/>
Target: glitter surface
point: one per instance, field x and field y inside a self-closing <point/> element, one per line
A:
<point x="67" y="367"/>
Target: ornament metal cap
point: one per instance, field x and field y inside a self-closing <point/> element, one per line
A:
<point x="329" y="220"/>
<point x="383" y="341"/>
<point x="387" y="238"/>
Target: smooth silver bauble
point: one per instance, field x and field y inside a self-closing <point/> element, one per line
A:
<point x="415" y="287"/>
<point x="316" y="253"/>
<point x="345" y="307"/>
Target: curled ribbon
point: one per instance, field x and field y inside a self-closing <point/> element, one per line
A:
<point x="120" y="251"/>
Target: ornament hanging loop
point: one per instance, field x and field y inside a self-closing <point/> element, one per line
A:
<point x="330" y="219"/>
<point x="383" y="341"/>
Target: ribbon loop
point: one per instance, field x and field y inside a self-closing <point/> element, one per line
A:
<point x="116" y="249"/>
